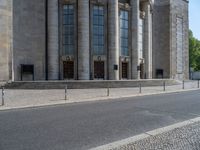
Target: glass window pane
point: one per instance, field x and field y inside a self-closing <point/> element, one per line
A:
<point x="101" y="20"/>
<point x="126" y="15"/>
<point x="124" y="33"/>
<point x="121" y="23"/>
<point x="70" y="40"/>
<point x="98" y="30"/>
<point x="65" y="9"/>
<point x="101" y="11"/>
<point x="95" y="40"/>
<point x="101" y="30"/>
<point x="124" y="51"/>
<point x="126" y="24"/>
<point x="64" y="40"/>
<point x="95" y="20"/>
<point x="71" y="29"/>
<point x="95" y="49"/>
<point x="122" y="42"/>
<point x="70" y="49"/>
<point x="65" y="19"/>
<point x="101" y="40"/>
<point x="126" y="42"/>
<point x="71" y="9"/>
<point x="121" y="14"/>
<point x="71" y="19"/>
<point x="124" y="38"/>
<point x="95" y="10"/>
<point x="95" y="30"/>
<point x="68" y="29"/>
<point x="101" y="50"/>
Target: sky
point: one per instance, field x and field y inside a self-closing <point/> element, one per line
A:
<point x="194" y="17"/>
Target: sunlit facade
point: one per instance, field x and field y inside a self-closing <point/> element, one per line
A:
<point x="94" y="39"/>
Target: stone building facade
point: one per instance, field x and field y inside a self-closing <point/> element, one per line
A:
<point x="93" y="39"/>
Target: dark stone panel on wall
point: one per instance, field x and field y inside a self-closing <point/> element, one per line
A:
<point x="161" y="39"/>
<point x="29" y="37"/>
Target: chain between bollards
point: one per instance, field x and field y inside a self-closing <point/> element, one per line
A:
<point x="65" y="92"/>
<point x="140" y="88"/>
<point x="164" y="86"/>
<point x="3" y="94"/>
<point x="183" y="84"/>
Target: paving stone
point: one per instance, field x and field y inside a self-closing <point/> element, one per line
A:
<point x="184" y="138"/>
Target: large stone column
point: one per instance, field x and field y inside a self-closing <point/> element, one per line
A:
<point x="83" y="40"/>
<point x="53" y="42"/>
<point x="148" y="40"/>
<point x="135" y="13"/>
<point x="113" y="39"/>
<point x="6" y="17"/>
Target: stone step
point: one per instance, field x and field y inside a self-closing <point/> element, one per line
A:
<point x="88" y="84"/>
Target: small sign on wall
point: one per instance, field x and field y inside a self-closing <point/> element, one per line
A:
<point x="115" y="67"/>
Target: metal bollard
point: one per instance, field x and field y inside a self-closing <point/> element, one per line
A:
<point x="3" y="93"/>
<point x="66" y="92"/>
<point x="140" y="88"/>
<point x="108" y="91"/>
<point x="164" y="86"/>
<point x="183" y="84"/>
<point x="198" y="84"/>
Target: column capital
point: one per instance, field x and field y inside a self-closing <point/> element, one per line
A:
<point x="147" y="3"/>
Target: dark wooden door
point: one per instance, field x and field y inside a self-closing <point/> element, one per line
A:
<point x="124" y="70"/>
<point x="68" y="69"/>
<point x="99" y="72"/>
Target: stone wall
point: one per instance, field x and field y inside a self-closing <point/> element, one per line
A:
<point x="161" y="37"/>
<point x="29" y="37"/>
<point x="167" y="50"/>
<point x="5" y="39"/>
<point x="179" y="9"/>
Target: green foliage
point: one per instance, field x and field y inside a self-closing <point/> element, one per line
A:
<point x="194" y="50"/>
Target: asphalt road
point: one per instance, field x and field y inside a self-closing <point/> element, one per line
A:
<point x="91" y="124"/>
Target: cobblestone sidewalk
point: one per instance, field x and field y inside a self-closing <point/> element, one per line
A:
<point x="184" y="138"/>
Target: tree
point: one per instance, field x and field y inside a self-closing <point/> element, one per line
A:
<point x="194" y="52"/>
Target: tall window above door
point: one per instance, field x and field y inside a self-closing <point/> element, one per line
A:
<point x="68" y="32"/>
<point x="124" y="37"/>
<point x="98" y="30"/>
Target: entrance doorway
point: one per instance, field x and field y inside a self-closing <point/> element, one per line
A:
<point x="124" y="70"/>
<point x="68" y="70"/>
<point x="99" y="71"/>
